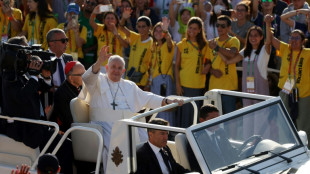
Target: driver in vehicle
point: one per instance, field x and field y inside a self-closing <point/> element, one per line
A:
<point x="214" y="143"/>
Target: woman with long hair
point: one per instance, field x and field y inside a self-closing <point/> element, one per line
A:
<point x="189" y="67"/>
<point x="140" y="50"/>
<point x="255" y="56"/>
<point x="38" y="22"/>
<point x="108" y="33"/>
<point x="161" y="66"/>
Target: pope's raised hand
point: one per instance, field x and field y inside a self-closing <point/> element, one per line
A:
<point x="103" y="54"/>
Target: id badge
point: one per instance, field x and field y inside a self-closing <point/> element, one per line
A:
<point x="288" y="86"/>
<point x="75" y="56"/>
<point x="4" y="38"/>
<point x="250" y="84"/>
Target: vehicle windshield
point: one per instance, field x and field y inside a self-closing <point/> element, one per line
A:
<point x="245" y="134"/>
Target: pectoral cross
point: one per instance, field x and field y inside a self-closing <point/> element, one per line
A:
<point x="113" y="104"/>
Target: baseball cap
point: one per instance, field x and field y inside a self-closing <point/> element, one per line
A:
<point x="48" y="163"/>
<point x="73" y="7"/>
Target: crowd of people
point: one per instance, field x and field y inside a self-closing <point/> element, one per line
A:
<point x="170" y="47"/>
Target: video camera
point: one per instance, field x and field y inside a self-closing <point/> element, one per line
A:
<point x="17" y="58"/>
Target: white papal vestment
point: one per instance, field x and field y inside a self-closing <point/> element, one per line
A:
<point x="100" y="92"/>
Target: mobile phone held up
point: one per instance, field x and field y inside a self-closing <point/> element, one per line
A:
<point x="105" y="8"/>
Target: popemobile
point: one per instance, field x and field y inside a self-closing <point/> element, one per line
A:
<point x="263" y="136"/>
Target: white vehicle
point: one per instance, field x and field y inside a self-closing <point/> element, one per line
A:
<point x="271" y="145"/>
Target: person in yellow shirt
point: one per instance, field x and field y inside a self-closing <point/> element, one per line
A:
<point x="161" y="75"/>
<point x="76" y="33"/>
<point x="38" y="22"/>
<point x="294" y="76"/>
<point x="190" y="72"/>
<point x="223" y="76"/>
<point x="140" y="50"/>
<point x="108" y="33"/>
<point x="10" y="20"/>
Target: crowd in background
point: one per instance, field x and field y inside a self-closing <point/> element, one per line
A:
<point x="176" y="47"/>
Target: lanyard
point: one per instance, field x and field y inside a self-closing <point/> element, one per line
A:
<point x="216" y="52"/>
<point x="4" y="24"/>
<point x="113" y="42"/>
<point x="291" y="60"/>
<point x="248" y="67"/>
<point x="199" y="57"/>
<point x="160" y="63"/>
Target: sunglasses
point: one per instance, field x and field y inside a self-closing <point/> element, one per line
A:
<point x="220" y="25"/>
<point x="91" y="3"/>
<point x="266" y="0"/>
<point x="63" y="40"/>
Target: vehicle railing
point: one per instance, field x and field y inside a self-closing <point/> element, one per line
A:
<point x="41" y="122"/>
<point x="173" y="105"/>
<point x="82" y="128"/>
<point x="240" y="94"/>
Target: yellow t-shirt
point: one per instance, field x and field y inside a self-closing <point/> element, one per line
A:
<point x="115" y="46"/>
<point x="191" y="65"/>
<point x="71" y="47"/>
<point x="5" y="24"/>
<point x="140" y="50"/>
<point x="162" y="60"/>
<point x="229" y="79"/>
<point x="37" y="30"/>
<point x="302" y="69"/>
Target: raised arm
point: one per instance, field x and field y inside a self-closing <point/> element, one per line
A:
<point x="93" y="15"/>
<point x="173" y="14"/>
<point x="164" y="26"/>
<point x="103" y="56"/>
<point x="201" y="10"/>
<point x="255" y="8"/>
<point x="274" y="41"/>
<point x="126" y="14"/>
<point x="287" y="17"/>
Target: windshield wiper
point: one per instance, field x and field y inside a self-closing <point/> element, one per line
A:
<point x="288" y="160"/>
<point x="242" y="167"/>
<point x="276" y="154"/>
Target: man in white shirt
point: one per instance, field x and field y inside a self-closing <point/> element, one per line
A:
<point x="112" y="98"/>
<point x="155" y="156"/>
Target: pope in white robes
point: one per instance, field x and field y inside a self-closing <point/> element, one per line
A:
<point x="112" y="98"/>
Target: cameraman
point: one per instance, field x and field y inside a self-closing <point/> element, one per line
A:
<point x="20" y="96"/>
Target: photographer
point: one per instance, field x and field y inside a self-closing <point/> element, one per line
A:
<point x="20" y="96"/>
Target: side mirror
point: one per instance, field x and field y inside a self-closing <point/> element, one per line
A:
<point x="303" y="137"/>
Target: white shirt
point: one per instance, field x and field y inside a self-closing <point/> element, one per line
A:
<point x="160" y="159"/>
<point x="262" y="60"/>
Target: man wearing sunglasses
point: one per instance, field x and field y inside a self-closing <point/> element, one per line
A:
<point x="90" y="47"/>
<point x="300" y="18"/>
<point x="57" y="44"/>
<point x="223" y="76"/>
